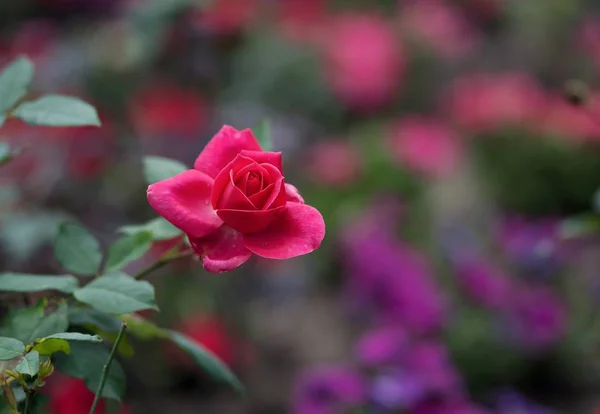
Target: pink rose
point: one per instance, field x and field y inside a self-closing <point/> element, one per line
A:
<point x="235" y="202"/>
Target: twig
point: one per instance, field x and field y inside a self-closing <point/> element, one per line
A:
<point x="106" y="368"/>
<point x="167" y="258"/>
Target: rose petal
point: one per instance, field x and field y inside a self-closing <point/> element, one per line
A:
<point x="265" y="157"/>
<point x="278" y="197"/>
<point x="259" y="199"/>
<point x="233" y="198"/>
<point x="225" y="177"/>
<point x="184" y="201"/>
<point x="298" y="230"/>
<point x="223" y="148"/>
<point x="293" y="194"/>
<point x="251" y="166"/>
<point x="249" y="221"/>
<point x="221" y="251"/>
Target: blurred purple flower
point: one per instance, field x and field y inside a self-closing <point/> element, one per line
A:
<point x="388" y="278"/>
<point x="392" y="279"/>
<point x="512" y="402"/>
<point x="398" y="389"/>
<point x="381" y="347"/>
<point x="431" y="365"/>
<point x="537" y="317"/>
<point x="484" y="283"/>
<point x="325" y="390"/>
<point x="533" y="245"/>
<point x="450" y="407"/>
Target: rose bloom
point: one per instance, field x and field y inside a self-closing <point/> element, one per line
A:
<point x="235" y="203"/>
<point x="334" y="163"/>
<point x="425" y="146"/>
<point x="364" y="60"/>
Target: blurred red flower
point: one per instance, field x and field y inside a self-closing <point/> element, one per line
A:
<point x="225" y="16"/>
<point x="71" y="396"/>
<point x="167" y="110"/>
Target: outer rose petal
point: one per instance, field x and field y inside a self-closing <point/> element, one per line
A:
<point x="184" y="201"/>
<point x="222" y="250"/>
<point x="249" y="221"/>
<point x="299" y="230"/>
<point x="265" y="157"/>
<point x="223" y="148"/>
<point x="293" y="194"/>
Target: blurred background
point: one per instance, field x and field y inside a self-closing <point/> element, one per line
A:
<point x="436" y="138"/>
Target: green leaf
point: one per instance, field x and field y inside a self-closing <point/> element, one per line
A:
<point x="29" y="324"/>
<point x="94" y="320"/>
<point x="10" y="348"/>
<point x="30" y="364"/>
<point x="143" y="328"/>
<point x="86" y="362"/>
<point x="60" y="342"/>
<point x="160" y="168"/>
<point x="127" y="249"/>
<point x="160" y="228"/>
<point x="56" y="322"/>
<point x="117" y="293"/>
<point x="14" y="82"/>
<point x="20" y="323"/>
<point x="206" y="360"/>
<point x="74" y="336"/>
<point x="21" y="282"/>
<point x="262" y="132"/>
<point x="49" y="347"/>
<point x="58" y="111"/>
<point x="77" y="250"/>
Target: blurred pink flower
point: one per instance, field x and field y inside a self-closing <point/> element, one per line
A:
<point x="425" y="145"/>
<point x="485" y="102"/>
<point x="225" y="17"/>
<point x="334" y="163"/>
<point x="365" y="61"/>
<point x="166" y="110"/>
<point x="440" y="26"/>
<point x="562" y="120"/>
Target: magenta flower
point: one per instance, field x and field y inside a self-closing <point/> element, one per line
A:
<point x="235" y="203"/>
<point x="485" y="284"/>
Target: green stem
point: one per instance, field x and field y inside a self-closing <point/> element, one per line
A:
<point x="169" y="257"/>
<point x="106" y="368"/>
<point x="28" y="398"/>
